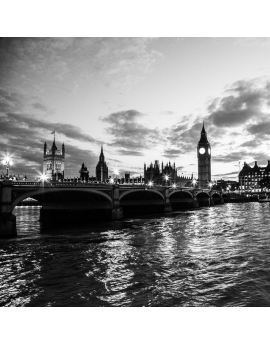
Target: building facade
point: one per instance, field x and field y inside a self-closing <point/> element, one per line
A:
<point x="54" y="162"/>
<point x="156" y="174"/>
<point x="204" y="160"/>
<point x="102" y="171"/>
<point x="84" y="173"/>
<point x="255" y="178"/>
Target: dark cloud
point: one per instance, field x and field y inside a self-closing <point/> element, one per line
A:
<point x="261" y="128"/>
<point x="251" y="143"/>
<point x="129" y="153"/>
<point x="128" y="133"/>
<point x="230" y="157"/>
<point x="171" y="153"/>
<point x="21" y="124"/>
<point x="40" y="106"/>
<point x="233" y="174"/>
<point x="245" y="102"/>
<point x="24" y="137"/>
<point x="184" y="137"/>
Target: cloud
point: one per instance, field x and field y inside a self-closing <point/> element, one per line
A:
<point x="233" y="174"/>
<point x="171" y="153"/>
<point x="24" y="126"/>
<point x="40" y="106"/>
<point x="182" y="139"/>
<point x="251" y="143"/>
<point x="246" y="101"/>
<point x="230" y="157"/>
<point x="129" y="153"/>
<point x="39" y="62"/>
<point x="261" y="128"/>
<point x="24" y="137"/>
<point x="128" y="133"/>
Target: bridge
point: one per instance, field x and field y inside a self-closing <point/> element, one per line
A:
<point x="69" y="200"/>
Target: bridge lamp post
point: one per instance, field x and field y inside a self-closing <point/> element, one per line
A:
<point x="210" y="184"/>
<point x="166" y="179"/>
<point x="116" y="172"/>
<point x="194" y="182"/>
<point x="111" y="180"/>
<point x="174" y="186"/>
<point x="228" y="188"/>
<point x="8" y="163"/>
<point x="150" y="184"/>
<point x="43" y="178"/>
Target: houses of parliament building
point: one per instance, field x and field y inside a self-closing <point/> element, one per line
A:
<point x="54" y="163"/>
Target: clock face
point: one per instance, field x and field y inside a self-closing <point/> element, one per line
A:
<point x="202" y="150"/>
<point x="209" y="150"/>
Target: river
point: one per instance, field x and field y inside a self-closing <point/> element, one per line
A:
<point x="212" y="256"/>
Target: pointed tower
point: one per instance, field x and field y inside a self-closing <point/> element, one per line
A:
<point x="204" y="160"/>
<point x="101" y="168"/>
<point x="54" y="162"/>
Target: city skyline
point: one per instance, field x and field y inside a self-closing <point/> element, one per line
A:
<point x="144" y="99"/>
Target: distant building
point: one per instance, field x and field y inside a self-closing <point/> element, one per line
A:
<point x="254" y="178"/>
<point x="226" y="185"/>
<point x="157" y="173"/>
<point x="54" y="162"/>
<point x="84" y="173"/>
<point x="101" y="168"/>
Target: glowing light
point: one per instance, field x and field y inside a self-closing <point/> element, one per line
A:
<point x="150" y="183"/>
<point x="111" y="180"/>
<point x="43" y="177"/>
<point x="166" y="177"/>
<point x="174" y="185"/>
<point x="194" y="182"/>
<point x="116" y="171"/>
<point x="210" y="184"/>
<point x="7" y="161"/>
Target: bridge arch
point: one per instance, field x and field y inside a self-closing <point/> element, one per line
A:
<point x="38" y="194"/>
<point x="203" y="198"/>
<point x="142" y="191"/>
<point x="182" y="191"/>
<point x="139" y="202"/>
<point x="180" y="199"/>
<point x="217" y="198"/>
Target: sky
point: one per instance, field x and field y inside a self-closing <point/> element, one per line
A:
<point x="144" y="99"/>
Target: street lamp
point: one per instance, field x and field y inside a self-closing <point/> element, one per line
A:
<point x="210" y="184"/>
<point x="194" y="182"/>
<point x="150" y="184"/>
<point x="166" y="177"/>
<point x="8" y="163"/>
<point x="115" y="172"/>
<point x="43" y="178"/>
<point x="174" y="185"/>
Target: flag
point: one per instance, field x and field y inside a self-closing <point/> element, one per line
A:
<point x="53" y="132"/>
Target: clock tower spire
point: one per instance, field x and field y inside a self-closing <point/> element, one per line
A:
<point x="204" y="160"/>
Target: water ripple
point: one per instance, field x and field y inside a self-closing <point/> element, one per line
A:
<point x="218" y="256"/>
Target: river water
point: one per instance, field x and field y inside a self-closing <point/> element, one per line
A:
<point x="212" y="256"/>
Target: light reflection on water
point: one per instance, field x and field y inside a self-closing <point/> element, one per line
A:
<point x="218" y="256"/>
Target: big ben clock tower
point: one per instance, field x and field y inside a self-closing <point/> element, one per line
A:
<point x="204" y="160"/>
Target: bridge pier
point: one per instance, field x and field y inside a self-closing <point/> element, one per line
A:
<point x="117" y="210"/>
<point x="168" y="205"/>
<point x="7" y="219"/>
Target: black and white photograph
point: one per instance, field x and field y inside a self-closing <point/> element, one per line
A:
<point x="135" y="172"/>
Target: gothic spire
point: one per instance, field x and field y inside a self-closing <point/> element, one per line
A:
<point x="203" y="139"/>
